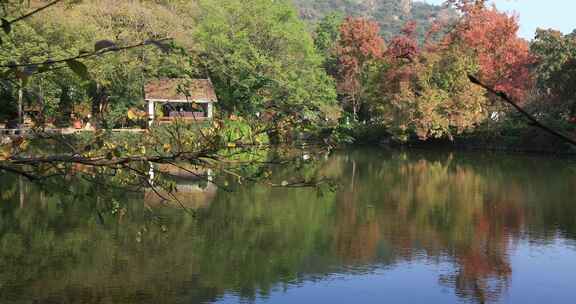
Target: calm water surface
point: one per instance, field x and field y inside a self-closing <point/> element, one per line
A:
<point x="403" y="227"/>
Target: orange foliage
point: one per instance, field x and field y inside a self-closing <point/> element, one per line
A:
<point x="359" y="43"/>
<point x="504" y="58"/>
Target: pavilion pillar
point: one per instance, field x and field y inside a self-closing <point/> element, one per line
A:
<point x="150" y="112"/>
<point x="210" y="110"/>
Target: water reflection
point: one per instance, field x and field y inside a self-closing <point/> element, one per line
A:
<point x="453" y="227"/>
<point x="193" y="187"/>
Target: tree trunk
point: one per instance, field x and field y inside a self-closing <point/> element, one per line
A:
<point x="20" y="106"/>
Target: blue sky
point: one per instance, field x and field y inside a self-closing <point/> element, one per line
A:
<point x="556" y="14"/>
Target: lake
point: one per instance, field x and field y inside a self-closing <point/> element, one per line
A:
<point x="401" y="227"/>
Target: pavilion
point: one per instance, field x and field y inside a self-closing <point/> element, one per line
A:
<point x="185" y="99"/>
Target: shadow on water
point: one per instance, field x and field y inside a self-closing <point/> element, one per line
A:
<point x="462" y="219"/>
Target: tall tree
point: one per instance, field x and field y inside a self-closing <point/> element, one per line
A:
<point x="359" y="47"/>
<point x="261" y="59"/>
<point x="326" y="36"/>
<point x="426" y="92"/>
<point x="556" y="69"/>
<point x="504" y="58"/>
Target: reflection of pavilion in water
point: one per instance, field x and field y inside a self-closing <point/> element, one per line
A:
<point x="193" y="187"/>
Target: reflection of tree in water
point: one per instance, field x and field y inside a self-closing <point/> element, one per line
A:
<point x="484" y="269"/>
<point x="356" y="233"/>
<point x="390" y="209"/>
<point x="435" y="206"/>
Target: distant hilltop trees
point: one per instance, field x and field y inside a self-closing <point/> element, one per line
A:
<point x="391" y="15"/>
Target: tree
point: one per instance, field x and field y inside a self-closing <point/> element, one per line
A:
<point x="556" y="69"/>
<point x="425" y="91"/>
<point x="326" y="36"/>
<point x="359" y="47"/>
<point x="262" y="60"/>
<point x="290" y="89"/>
<point x="115" y="84"/>
<point x="504" y="58"/>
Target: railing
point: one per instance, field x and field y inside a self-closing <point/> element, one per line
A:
<point x="15" y="131"/>
<point x="21" y="132"/>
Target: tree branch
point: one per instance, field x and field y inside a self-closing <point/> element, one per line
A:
<point x="27" y="15"/>
<point x="87" y="55"/>
<point x="103" y="161"/>
<point x="527" y="115"/>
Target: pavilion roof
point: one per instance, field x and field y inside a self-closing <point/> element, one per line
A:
<point x="193" y="90"/>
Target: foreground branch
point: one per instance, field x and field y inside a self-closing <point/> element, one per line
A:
<point x="103" y="161"/>
<point x="36" y="11"/>
<point x="157" y="42"/>
<point x="527" y="115"/>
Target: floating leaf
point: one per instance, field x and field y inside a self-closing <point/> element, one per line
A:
<point x="79" y="68"/>
<point x="104" y="44"/>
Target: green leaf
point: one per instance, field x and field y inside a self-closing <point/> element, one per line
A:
<point x="8" y="73"/>
<point x="43" y="68"/>
<point x="6" y="26"/>
<point x="79" y="68"/>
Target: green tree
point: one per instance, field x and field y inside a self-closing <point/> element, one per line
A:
<point x="326" y="36"/>
<point x="261" y="59"/>
<point x="556" y="69"/>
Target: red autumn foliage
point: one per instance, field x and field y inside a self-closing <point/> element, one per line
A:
<point x="404" y="46"/>
<point x="504" y="58"/>
<point x="359" y="43"/>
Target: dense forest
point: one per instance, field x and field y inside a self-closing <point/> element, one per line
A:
<point x="343" y="70"/>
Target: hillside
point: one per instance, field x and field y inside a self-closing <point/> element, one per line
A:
<point x="391" y="14"/>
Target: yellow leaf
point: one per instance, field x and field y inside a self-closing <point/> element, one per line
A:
<point x="5" y="152"/>
<point x="167" y="147"/>
<point x="131" y="115"/>
<point x="231" y="145"/>
<point x="24" y="145"/>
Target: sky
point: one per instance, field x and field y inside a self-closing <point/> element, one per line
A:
<point x="556" y="14"/>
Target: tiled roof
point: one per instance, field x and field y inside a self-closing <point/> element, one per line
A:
<point x="168" y="89"/>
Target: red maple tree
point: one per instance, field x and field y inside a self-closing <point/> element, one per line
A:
<point x="360" y="43"/>
<point x="504" y="58"/>
<point x="404" y="46"/>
